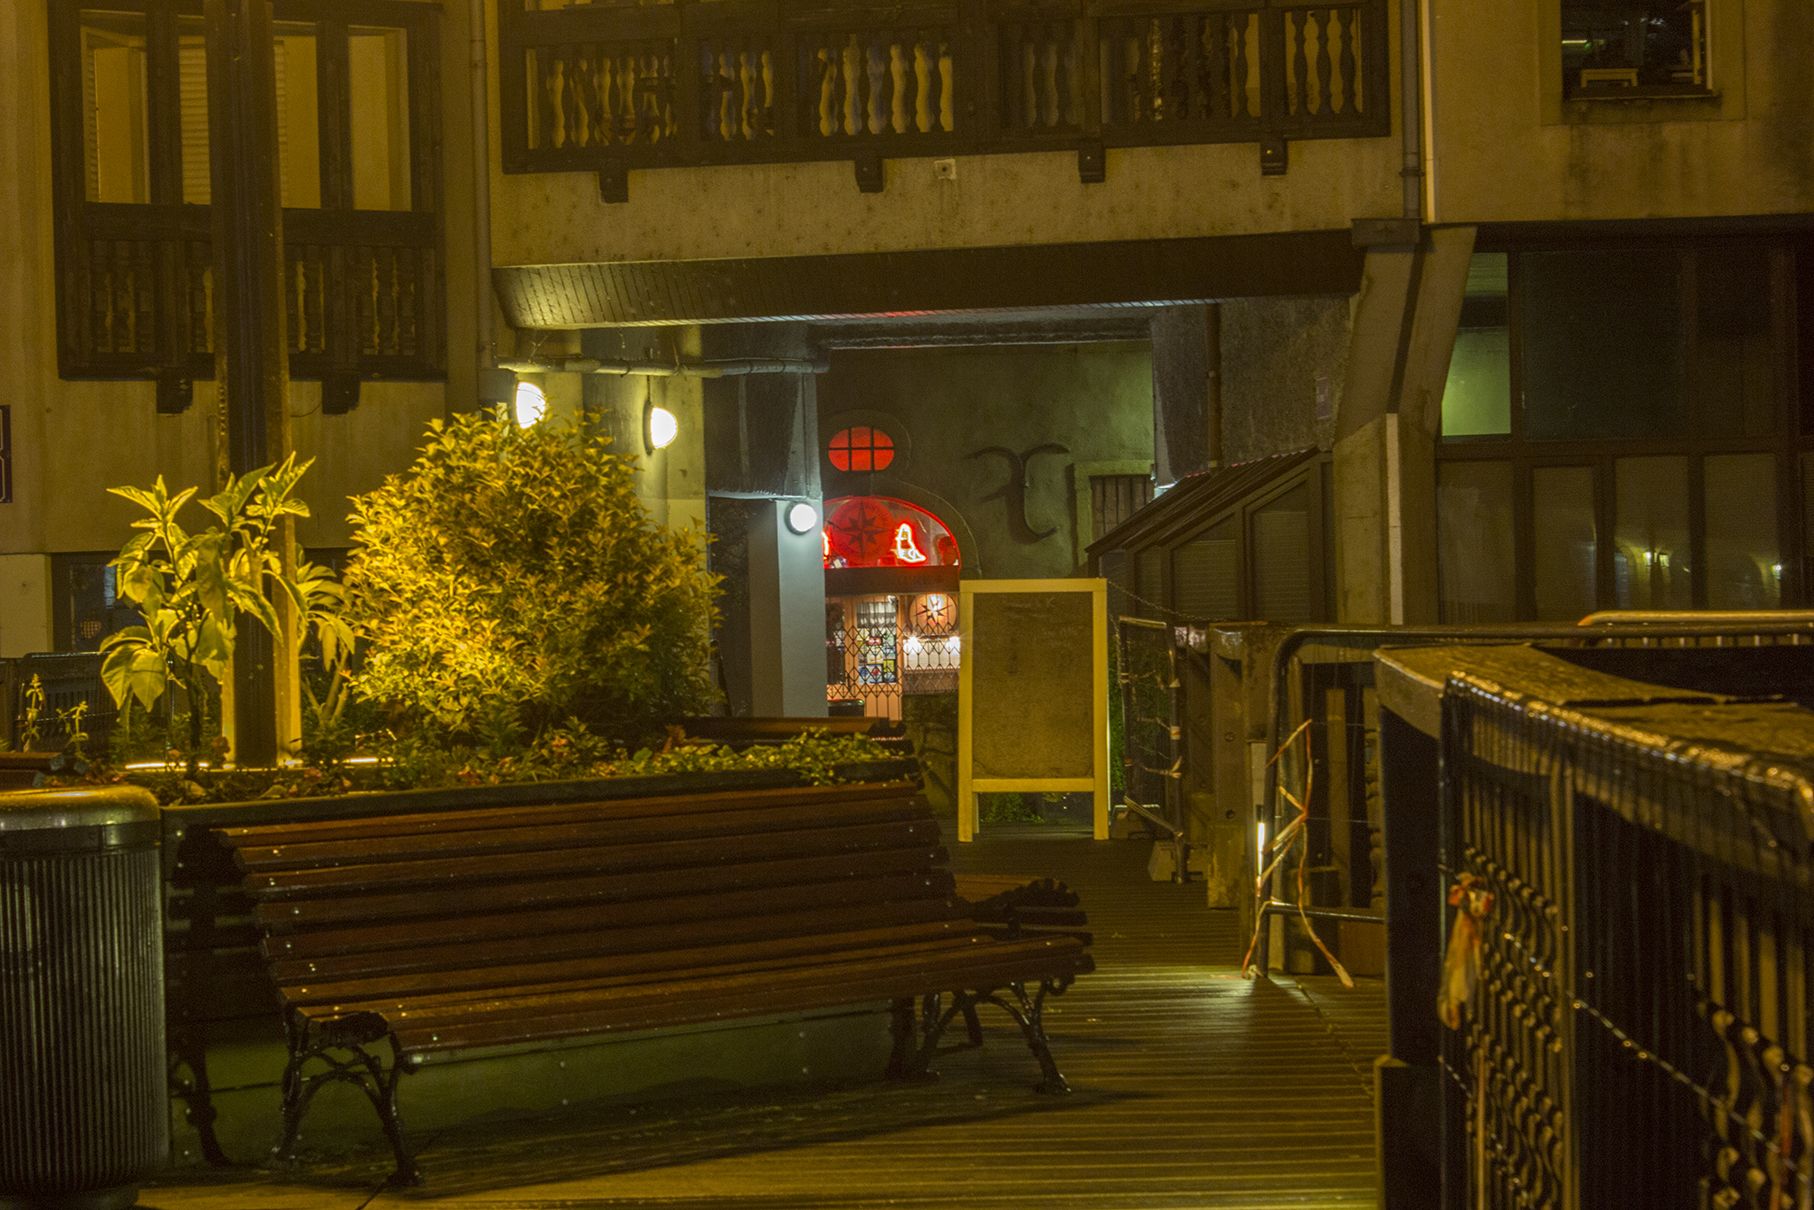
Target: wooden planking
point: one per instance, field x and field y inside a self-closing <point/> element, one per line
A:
<point x="1194" y="1088"/>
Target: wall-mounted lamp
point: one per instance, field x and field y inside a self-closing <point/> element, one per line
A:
<point x="659" y="426"/>
<point x="801" y="517"/>
<point x="530" y="405"/>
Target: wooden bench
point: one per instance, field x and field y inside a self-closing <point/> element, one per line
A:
<point x="468" y="929"/>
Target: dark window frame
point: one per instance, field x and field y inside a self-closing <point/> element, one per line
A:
<point x="1792" y="262"/>
<point x="395" y="329"/>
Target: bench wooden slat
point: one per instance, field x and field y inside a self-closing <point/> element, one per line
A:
<point x="583" y="956"/>
<point x="495" y="837"/>
<point x="605" y="887"/>
<point x="962" y="952"/>
<point x="471" y="872"/>
<point x="680" y="1004"/>
<point x="626" y="808"/>
<point x="464" y="986"/>
<point x="349" y="951"/>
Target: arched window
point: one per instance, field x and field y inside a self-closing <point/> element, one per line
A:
<point x="861" y="448"/>
<point x="876" y="531"/>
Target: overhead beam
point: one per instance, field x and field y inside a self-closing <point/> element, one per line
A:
<point x="931" y="282"/>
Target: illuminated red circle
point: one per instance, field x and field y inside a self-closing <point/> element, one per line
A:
<point x="861" y="448"/>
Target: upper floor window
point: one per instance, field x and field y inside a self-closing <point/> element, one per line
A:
<point x="1625" y="48"/>
<point x="357" y="115"/>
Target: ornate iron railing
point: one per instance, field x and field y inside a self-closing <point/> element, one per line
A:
<point x="608" y="86"/>
<point x="1631" y="881"/>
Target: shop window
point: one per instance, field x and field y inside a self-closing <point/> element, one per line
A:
<point x="1565" y="542"/>
<point x="861" y="448"/>
<point x="1652" y="555"/>
<point x="1744" y="548"/>
<point x="1621" y="48"/>
<point x="1474" y="538"/>
<point x="875" y="531"/>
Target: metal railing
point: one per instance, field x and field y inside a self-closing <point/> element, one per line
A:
<point x="606" y="87"/>
<point x="1323" y="733"/>
<point x="1628" y="979"/>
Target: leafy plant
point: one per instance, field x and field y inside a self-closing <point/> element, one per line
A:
<point x="70" y="720"/>
<point x="31" y="734"/>
<point x="511" y="578"/>
<point x="193" y="587"/>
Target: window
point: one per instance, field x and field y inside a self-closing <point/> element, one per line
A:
<point x="356" y="112"/>
<point x="861" y="449"/>
<point x="1652" y="449"/>
<point x="1613" y="48"/>
<point x="874" y="531"/>
<point x="6" y="453"/>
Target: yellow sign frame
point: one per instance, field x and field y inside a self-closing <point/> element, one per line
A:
<point x="1097" y="784"/>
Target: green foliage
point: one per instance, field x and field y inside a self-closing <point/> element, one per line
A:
<point x="511" y="578"/>
<point x="31" y="733"/>
<point x="193" y="587"/>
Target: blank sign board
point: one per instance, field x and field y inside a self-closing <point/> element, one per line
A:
<point x="1032" y="702"/>
<point x="1032" y="682"/>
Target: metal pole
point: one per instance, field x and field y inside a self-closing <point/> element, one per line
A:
<point x="251" y="346"/>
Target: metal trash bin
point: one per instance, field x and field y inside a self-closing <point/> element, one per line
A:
<point x="83" y="1103"/>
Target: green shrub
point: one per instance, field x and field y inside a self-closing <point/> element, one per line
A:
<point x="511" y="579"/>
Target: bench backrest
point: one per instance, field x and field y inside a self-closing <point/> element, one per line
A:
<point x="389" y="905"/>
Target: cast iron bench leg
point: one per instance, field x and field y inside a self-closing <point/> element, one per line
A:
<point x="358" y="1067"/>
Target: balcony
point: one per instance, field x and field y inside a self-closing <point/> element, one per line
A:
<point x="607" y="87"/>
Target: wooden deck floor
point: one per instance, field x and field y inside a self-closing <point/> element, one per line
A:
<point x="1193" y="1088"/>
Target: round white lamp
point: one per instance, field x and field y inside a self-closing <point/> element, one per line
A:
<point x="530" y="406"/>
<point x="801" y="517"/>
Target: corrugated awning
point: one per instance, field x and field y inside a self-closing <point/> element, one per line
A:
<point x="1196" y="498"/>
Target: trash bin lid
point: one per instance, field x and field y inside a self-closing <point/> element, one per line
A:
<point x="84" y="807"/>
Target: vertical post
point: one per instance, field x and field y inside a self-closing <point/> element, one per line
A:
<point x="966" y="716"/>
<point x="251" y="358"/>
<point x="1099" y="709"/>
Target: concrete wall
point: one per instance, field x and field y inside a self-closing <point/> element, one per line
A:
<point x="1508" y="148"/>
<point x="944" y="405"/>
<point x="1283" y="362"/>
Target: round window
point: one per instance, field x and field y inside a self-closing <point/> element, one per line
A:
<point x="861" y="448"/>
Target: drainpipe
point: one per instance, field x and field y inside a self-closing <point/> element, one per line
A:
<point x="1212" y="381"/>
<point x="1411" y="91"/>
<point x="1410" y="87"/>
<point x="486" y="333"/>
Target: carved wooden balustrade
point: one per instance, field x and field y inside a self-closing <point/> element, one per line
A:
<point x="362" y="291"/>
<point x="609" y="86"/>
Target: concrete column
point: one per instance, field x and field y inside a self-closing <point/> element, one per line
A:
<point x="1187" y="392"/>
<point x="1385" y="446"/>
<point x="786" y="613"/>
